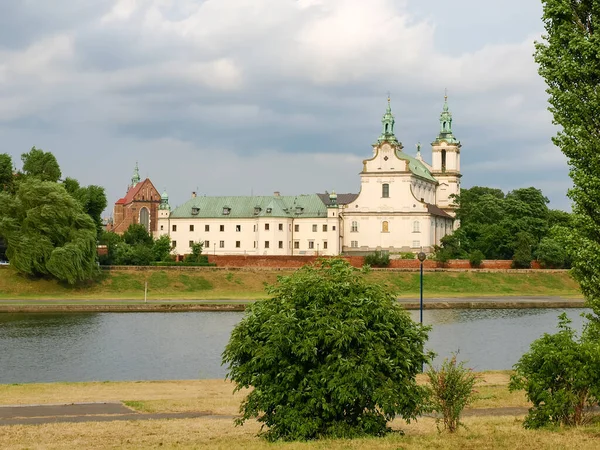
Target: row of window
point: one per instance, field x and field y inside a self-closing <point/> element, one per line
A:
<point x="238" y="228"/>
<point x="415" y="244"/>
<point x="238" y="244"/>
<point x="385" y="226"/>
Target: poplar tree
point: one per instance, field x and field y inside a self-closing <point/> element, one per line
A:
<point x="569" y="62"/>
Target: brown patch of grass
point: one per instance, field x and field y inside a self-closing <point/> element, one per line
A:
<point x="482" y="433"/>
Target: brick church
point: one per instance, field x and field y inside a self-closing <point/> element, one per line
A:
<point x="140" y="205"/>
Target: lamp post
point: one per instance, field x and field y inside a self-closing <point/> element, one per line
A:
<point x="317" y="249"/>
<point x="421" y="256"/>
<point x="214" y="249"/>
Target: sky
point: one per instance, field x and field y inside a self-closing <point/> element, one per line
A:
<point x="240" y="97"/>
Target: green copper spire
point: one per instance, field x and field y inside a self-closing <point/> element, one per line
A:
<point x="388" y="121"/>
<point x="446" y="124"/>
<point x="164" y="201"/>
<point x="135" y="179"/>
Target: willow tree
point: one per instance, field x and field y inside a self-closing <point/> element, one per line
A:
<point x="569" y="61"/>
<point x="47" y="232"/>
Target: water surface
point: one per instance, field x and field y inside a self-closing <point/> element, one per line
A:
<point x="158" y="346"/>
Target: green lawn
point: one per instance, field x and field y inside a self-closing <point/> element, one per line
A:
<point x="212" y="284"/>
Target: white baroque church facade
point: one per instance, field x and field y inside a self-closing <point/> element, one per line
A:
<point x="404" y="205"/>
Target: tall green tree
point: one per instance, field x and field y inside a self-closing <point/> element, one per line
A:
<point x="47" y="232"/>
<point x="569" y="62"/>
<point x="40" y="164"/>
<point x="92" y="198"/>
<point x="328" y="355"/>
<point x="6" y="172"/>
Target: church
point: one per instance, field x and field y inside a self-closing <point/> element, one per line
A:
<point x="404" y="205"/>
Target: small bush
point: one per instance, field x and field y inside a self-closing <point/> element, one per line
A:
<point x="378" y="259"/>
<point x="183" y="263"/>
<point x="561" y="377"/>
<point x="442" y="255"/>
<point x="408" y="255"/>
<point x="476" y="258"/>
<point x="452" y="389"/>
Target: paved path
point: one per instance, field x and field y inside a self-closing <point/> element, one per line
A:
<point x="107" y="412"/>
<point x="85" y="412"/>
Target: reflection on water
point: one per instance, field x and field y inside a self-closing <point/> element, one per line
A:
<point x="154" y="346"/>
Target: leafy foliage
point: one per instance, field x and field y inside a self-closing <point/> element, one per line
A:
<point x="523" y="256"/>
<point x="476" y="258"/>
<point x="196" y="255"/>
<point x="161" y="248"/>
<point x="136" y="234"/>
<point x="491" y="222"/>
<point x="47" y="232"/>
<point x="328" y="355"/>
<point x="41" y="165"/>
<point x="569" y="62"/>
<point x="552" y="254"/>
<point x="92" y="198"/>
<point x="561" y="376"/>
<point x="452" y="390"/>
<point x="6" y="172"/>
<point x="378" y="259"/>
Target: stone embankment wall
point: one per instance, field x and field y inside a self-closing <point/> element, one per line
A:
<point x="356" y="261"/>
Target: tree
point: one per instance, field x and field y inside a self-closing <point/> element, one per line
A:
<point x="161" y="249"/>
<point x="329" y="354"/>
<point x="561" y="377"/>
<point x="47" y="232"/>
<point x="569" y="62"/>
<point x="6" y="172"/>
<point x="40" y="164"/>
<point x="92" y="198"/>
<point x="523" y="254"/>
<point x="136" y="234"/>
<point x="551" y="254"/>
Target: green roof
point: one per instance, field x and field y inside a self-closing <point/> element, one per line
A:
<point x="252" y="206"/>
<point x="416" y="167"/>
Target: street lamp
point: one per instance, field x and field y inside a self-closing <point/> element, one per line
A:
<point x="421" y="257"/>
<point x="317" y="249"/>
<point x="214" y="248"/>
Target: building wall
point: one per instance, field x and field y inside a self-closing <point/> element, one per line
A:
<point x="255" y="236"/>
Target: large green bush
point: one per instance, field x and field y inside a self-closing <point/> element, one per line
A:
<point x="561" y="376"/>
<point x="476" y="257"/>
<point x="328" y="355"/>
<point x="552" y="254"/>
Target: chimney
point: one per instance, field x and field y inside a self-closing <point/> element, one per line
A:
<point x="194" y="194"/>
<point x="276" y="193"/>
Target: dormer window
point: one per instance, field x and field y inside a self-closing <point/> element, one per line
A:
<point x="257" y="210"/>
<point x="195" y="210"/>
<point x="226" y="210"/>
<point x="299" y="209"/>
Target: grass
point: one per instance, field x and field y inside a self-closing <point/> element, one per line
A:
<point x="483" y="432"/>
<point x="207" y="284"/>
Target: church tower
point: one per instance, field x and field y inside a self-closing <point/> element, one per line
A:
<point x="446" y="161"/>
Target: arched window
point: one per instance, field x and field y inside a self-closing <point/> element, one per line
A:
<point x="354" y="226"/>
<point x="145" y="218"/>
<point x="443" y="160"/>
<point x="385" y="227"/>
<point x="385" y="190"/>
<point x="416" y="227"/>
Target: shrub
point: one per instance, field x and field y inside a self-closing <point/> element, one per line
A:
<point x="561" y="377"/>
<point x="378" y="259"/>
<point x="551" y="254"/>
<point x="407" y="255"/>
<point x="442" y="255"/>
<point x="522" y="257"/>
<point x="328" y="355"/>
<point x="452" y="389"/>
<point x="476" y="258"/>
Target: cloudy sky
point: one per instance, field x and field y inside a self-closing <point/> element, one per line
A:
<point x="232" y="97"/>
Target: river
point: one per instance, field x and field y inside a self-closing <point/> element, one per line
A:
<point x="158" y="346"/>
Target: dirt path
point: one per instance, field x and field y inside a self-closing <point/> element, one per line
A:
<point x="106" y="412"/>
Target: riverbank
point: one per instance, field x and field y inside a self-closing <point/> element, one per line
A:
<point x="494" y="421"/>
<point x="210" y="284"/>
<point x="50" y="306"/>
